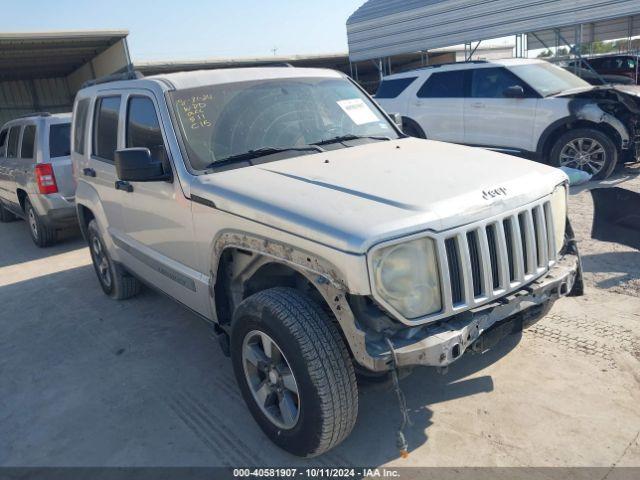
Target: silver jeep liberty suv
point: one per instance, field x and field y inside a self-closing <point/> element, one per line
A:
<point x="283" y="206"/>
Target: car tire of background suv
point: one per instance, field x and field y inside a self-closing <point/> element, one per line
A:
<point x="114" y="280"/>
<point x="590" y="137"/>
<point x="411" y="128"/>
<point x="294" y="371"/>
<point x="5" y="215"/>
<point x="41" y="234"/>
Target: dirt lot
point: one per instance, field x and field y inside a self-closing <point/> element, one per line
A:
<point x="86" y="381"/>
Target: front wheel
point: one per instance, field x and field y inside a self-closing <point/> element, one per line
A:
<point x="585" y="149"/>
<point x="412" y="129"/>
<point x="114" y="281"/>
<point x="294" y="371"/>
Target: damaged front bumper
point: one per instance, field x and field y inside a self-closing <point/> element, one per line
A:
<point x="441" y="344"/>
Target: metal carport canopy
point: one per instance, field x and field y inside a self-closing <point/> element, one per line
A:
<point x="44" y="70"/>
<point x="51" y="54"/>
<point x="383" y="28"/>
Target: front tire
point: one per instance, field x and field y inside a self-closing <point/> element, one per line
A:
<point x="41" y="234"/>
<point x="412" y="129"/>
<point x="585" y="149"/>
<point x="294" y="371"/>
<point x="115" y="282"/>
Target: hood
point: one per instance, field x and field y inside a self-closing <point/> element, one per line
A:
<point x="353" y="198"/>
<point x="597" y="90"/>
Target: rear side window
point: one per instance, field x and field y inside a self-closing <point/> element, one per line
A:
<point x="80" y="126"/>
<point x="443" y="85"/>
<point x="28" y="141"/>
<point x="143" y="127"/>
<point x="60" y="140"/>
<point x="14" y="138"/>
<point x="393" y="88"/>
<point x="105" y="130"/>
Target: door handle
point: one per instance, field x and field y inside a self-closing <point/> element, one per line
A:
<point x="122" y="185"/>
<point x="478" y="105"/>
<point x="89" y="172"/>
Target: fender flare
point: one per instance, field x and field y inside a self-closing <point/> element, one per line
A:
<point x="319" y="272"/>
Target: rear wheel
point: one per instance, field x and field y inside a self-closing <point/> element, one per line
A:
<point x="294" y="371"/>
<point x="41" y="234"/>
<point x="115" y="282"/>
<point x="5" y="215"/>
<point x="585" y="149"/>
<point x="411" y="128"/>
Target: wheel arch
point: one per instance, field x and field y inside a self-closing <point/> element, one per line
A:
<point x="22" y="196"/>
<point x="413" y="124"/>
<point x="85" y="215"/>
<point x="554" y="131"/>
<point x="243" y="264"/>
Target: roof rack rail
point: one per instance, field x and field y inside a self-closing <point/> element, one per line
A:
<point x="34" y="114"/>
<point x="452" y="63"/>
<point x="275" y="64"/>
<point x="129" y="75"/>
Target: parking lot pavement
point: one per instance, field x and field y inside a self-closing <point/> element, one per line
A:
<point x="86" y="381"/>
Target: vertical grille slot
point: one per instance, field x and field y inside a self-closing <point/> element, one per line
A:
<point x="474" y="259"/>
<point x="455" y="277"/>
<point x="522" y="220"/>
<point x="550" y="232"/>
<point x="509" y="241"/>
<point x="542" y="241"/>
<point x="493" y="255"/>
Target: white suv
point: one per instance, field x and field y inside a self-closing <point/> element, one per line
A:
<point x="525" y="107"/>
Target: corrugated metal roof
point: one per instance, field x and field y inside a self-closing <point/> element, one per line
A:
<point x="25" y="55"/>
<point x="380" y="8"/>
<point x="385" y="28"/>
<point x="591" y="32"/>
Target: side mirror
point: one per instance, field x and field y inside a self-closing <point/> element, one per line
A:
<point x="136" y="165"/>
<point x="515" y="91"/>
<point x="397" y="119"/>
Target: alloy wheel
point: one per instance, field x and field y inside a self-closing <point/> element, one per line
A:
<point x="101" y="261"/>
<point x="33" y="223"/>
<point x="585" y="154"/>
<point x="270" y="379"/>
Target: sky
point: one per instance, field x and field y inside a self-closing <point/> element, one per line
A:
<point x="195" y="29"/>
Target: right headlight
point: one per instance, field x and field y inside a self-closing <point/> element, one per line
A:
<point x="559" y="213"/>
<point x="406" y="276"/>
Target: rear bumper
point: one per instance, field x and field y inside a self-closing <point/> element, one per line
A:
<point x="441" y="344"/>
<point x="55" y="210"/>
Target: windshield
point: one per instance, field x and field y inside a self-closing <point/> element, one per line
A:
<point x="222" y="121"/>
<point x="547" y="79"/>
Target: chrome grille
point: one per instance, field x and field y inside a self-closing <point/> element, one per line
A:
<point x="485" y="260"/>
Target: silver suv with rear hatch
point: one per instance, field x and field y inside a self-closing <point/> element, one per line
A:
<point x="36" y="181"/>
<point x="283" y="206"/>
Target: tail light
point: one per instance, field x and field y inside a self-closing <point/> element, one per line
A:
<point x="45" y="178"/>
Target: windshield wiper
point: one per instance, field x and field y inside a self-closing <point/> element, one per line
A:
<point x="262" y="152"/>
<point x="346" y="138"/>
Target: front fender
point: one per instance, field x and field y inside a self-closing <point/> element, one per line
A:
<point x="87" y="196"/>
<point x="319" y="272"/>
